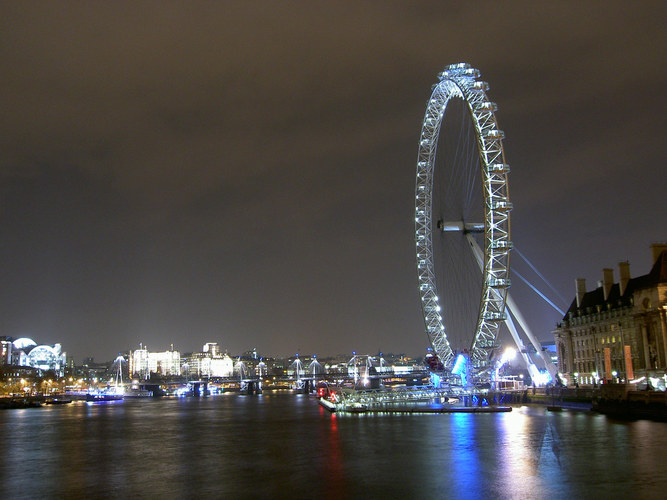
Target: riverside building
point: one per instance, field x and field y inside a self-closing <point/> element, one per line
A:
<point x="143" y="363"/>
<point x="209" y="363"/>
<point x="25" y="352"/>
<point x="618" y="331"/>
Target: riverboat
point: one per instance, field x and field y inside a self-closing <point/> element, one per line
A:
<point x="19" y="403"/>
<point x="55" y="400"/>
<point x="103" y="397"/>
<point x="138" y="393"/>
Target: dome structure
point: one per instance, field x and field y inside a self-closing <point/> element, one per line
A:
<point x="24" y="343"/>
<point x="44" y="357"/>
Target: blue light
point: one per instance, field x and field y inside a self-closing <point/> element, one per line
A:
<point x="461" y="368"/>
<point x="459" y="365"/>
<point x="181" y="392"/>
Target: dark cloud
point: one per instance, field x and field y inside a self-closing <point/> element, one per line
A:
<point x="188" y="172"/>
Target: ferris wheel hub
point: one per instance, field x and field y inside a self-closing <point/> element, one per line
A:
<point x="460" y="226"/>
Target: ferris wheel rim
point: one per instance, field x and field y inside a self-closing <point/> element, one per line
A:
<point x="462" y="81"/>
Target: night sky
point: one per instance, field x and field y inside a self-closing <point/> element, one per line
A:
<point x="244" y="172"/>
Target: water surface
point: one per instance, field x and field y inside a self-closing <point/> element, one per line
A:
<point x="287" y="446"/>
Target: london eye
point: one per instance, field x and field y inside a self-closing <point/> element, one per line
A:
<point x="462" y="219"/>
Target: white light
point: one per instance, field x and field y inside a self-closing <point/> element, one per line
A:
<point x="508" y="355"/>
<point x="542" y="379"/>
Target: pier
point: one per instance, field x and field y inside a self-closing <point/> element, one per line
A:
<point x="421" y="399"/>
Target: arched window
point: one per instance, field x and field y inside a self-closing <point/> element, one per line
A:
<point x="44" y="358"/>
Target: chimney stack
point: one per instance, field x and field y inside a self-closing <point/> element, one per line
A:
<point x="607" y="281"/>
<point x="656" y="250"/>
<point x="581" y="290"/>
<point x="624" y="276"/>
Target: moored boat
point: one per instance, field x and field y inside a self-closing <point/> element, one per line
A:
<point x="102" y="397"/>
<point x="55" y="400"/>
<point x="138" y="393"/>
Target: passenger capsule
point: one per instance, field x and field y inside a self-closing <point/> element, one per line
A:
<point x="502" y="245"/>
<point x="498" y="168"/>
<point x="495" y="134"/>
<point x="486" y="106"/>
<point x="500" y="282"/>
<point x="494" y="316"/>
<point x="458" y="66"/>
<point x="504" y="206"/>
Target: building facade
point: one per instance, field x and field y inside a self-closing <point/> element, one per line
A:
<point x="209" y="363"/>
<point x="25" y="352"/>
<point x="618" y="331"/>
<point x="143" y="363"/>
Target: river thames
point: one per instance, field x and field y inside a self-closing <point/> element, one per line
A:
<point x="286" y="446"/>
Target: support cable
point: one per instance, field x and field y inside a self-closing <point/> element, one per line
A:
<point x="563" y="301"/>
<point x="546" y="299"/>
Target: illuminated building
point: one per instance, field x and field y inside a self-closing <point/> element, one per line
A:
<point x="144" y="362"/>
<point x="165" y="363"/>
<point x="211" y="348"/>
<point x="617" y="332"/>
<point x="139" y="363"/>
<point x="208" y="363"/>
<point x="26" y="352"/>
<point x="5" y="350"/>
<point x="218" y="366"/>
<point x="47" y="358"/>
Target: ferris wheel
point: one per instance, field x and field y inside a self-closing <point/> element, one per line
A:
<point x="462" y="222"/>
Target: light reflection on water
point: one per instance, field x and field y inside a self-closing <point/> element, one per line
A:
<point x="287" y="446"/>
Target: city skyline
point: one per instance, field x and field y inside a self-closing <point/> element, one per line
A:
<point x="245" y="174"/>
